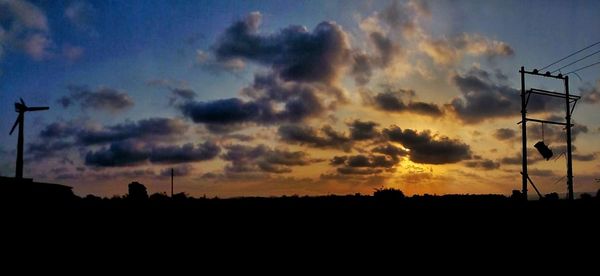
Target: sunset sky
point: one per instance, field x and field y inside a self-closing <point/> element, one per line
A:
<point x="247" y="98"/>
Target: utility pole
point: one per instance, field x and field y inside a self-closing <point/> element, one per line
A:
<point x="569" y="99"/>
<point x="569" y="153"/>
<point x="524" y="134"/>
<point x="172" y="174"/>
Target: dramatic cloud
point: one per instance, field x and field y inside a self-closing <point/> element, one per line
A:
<point x="390" y="150"/>
<point x="178" y="171"/>
<point x="294" y="53"/>
<point x="185" y="153"/>
<point x="363" y="130"/>
<point x="363" y="164"/>
<point x="327" y="137"/>
<point x="505" y="134"/>
<point x="103" y="98"/>
<point x="393" y="101"/>
<point x="262" y="158"/>
<point x="124" y="153"/>
<point x="429" y="149"/>
<point x="147" y="129"/>
<point x="24" y="28"/>
<point x="484" y="99"/>
<point x="271" y="101"/>
<point x="129" y="153"/>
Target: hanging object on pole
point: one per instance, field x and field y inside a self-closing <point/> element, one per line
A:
<point x="544" y="150"/>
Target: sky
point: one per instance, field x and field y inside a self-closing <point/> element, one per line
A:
<point x="268" y="98"/>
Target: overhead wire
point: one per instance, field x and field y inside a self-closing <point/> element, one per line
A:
<point x="575" y="61"/>
<point x="570" y="55"/>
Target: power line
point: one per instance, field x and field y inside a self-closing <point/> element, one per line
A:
<point x="584" y="67"/>
<point x="576" y="61"/>
<point x="570" y="55"/>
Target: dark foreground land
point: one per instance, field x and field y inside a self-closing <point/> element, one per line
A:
<point x="298" y="230"/>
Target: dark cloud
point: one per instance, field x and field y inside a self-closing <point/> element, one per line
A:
<point x="129" y="153"/>
<point x="103" y="98"/>
<point x="246" y="159"/>
<point x="118" y="154"/>
<point x="505" y="134"/>
<point x="294" y="53"/>
<point x="184" y="153"/>
<point x="146" y="129"/>
<point x="271" y="101"/>
<point x="429" y="149"/>
<point x="327" y="137"/>
<point x="482" y="98"/>
<point x="390" y="150"/>
<point x="362" y="68"/>
<point x="360" y="130"/>
<point x="47" y="149"/>
<point x="484" y="164"/>
<point x="363" y="164"/>
<point x="393" y="101"/>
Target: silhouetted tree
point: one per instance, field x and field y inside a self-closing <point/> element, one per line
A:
<point x="159" y="197"/>
<point x="388" y="194"/>
<point x="137" y="191"/>
<point x="585" y="196"/>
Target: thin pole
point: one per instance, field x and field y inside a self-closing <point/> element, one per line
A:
<point x="569" y="153"/>
<point x="172" y="174"/>
<point x="524" y="133"/>
<point x="19" y="167"/>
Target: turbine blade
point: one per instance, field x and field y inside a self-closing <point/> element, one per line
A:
<point x="38" y="108"/>
<point x="15" y="125"/>
<point x="22" y="101"/>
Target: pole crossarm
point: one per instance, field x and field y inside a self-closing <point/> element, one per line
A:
<point x="547" y="74"/>
<point x="552" y="94"/>
<point x="544" y="121"/>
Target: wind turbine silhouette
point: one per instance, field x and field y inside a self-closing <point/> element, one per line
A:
<point x="21" y="108"/>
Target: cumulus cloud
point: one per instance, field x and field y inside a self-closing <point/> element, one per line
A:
<point x="245" y="159"/>
<point x="326" y="137"/>
<point x="394" y="101"/>
<point x="294" y="53"/>
<point x="426" y="148"/>
<point x="271" y="101"/>
<point x="125" y="153"/>
<point x="130" y="153"/>
<point x="363" y="164"/>
<point x="103" y="98"/>
<point x="483" y="98"/>
<point x="185" y="153"/>
<point x="360" y="130"/>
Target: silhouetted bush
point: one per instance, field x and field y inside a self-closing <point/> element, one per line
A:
<point x="137" y="191"/>
<point x="516" y="195"/>
<point x="585" y="196"/>
<point x="551" y="197"/>
<point x="388" y="194"/>
<point x="159" y="197"/>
